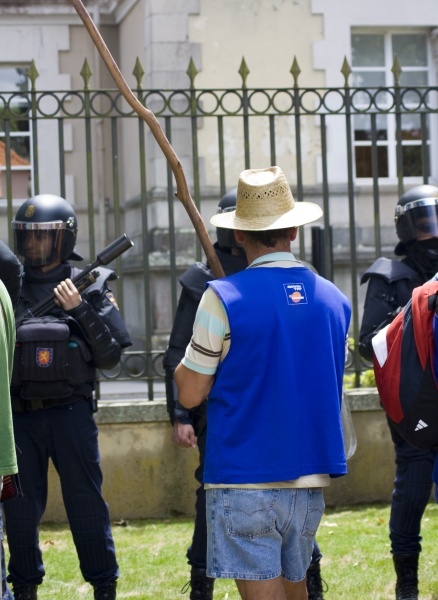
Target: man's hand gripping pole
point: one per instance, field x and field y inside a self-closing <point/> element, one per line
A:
<point x="182" y="193"/>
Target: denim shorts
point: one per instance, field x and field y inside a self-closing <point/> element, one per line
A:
<point x="262" y="534"/>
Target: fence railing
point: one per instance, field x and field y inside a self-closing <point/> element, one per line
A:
<point x="334" y="143"/>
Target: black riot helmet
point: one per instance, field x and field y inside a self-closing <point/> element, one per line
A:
<point x="45" y="229"/>
<point x="416" y="216"/>
<point x="225" y="237"/>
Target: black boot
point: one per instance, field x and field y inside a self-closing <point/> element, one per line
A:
<point x="105" y="592"/>
<point x="406" y="568"/>
<point x="314" y="582"/>
<point x="25" y="591"/>
<point x="201" y="585"/>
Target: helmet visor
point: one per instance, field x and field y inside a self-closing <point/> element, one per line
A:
<point x="421" y="218"/>
<point x="38" y="244"/>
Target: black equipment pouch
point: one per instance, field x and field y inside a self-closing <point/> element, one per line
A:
<point x="49" y="362"/>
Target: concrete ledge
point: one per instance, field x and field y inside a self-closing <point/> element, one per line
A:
<point x="147" y="476"/>
<point x="363" y="399"/>
<point x="133" y="410"/>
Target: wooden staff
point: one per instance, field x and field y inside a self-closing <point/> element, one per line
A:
<point x="182" y="193"/>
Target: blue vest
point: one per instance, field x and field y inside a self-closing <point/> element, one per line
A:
<point x="274" y="410"/>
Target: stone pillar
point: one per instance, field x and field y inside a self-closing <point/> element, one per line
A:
<point x="168" y="52"/>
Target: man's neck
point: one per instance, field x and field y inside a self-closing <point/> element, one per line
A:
<point x="256" y="251"/>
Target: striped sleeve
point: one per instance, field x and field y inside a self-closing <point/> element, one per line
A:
<point x="211" y="336"/>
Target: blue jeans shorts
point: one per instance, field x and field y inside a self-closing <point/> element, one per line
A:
<point x="262" y="534"/>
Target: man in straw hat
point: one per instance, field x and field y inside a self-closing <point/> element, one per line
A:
<point x="268" y="349"/>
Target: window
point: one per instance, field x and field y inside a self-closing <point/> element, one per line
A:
<point x="372" y="60"/>
<point x="15" y="124"/>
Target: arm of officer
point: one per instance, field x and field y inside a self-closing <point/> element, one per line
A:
<point x="379" y="305"/>
<point x="105" y="349"/>
<point x="195" y="375"/>
<point x="193" y="387"/>
<point x="180" y="335"/>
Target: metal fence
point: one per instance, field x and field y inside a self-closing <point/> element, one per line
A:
<point x="100" y="121"/>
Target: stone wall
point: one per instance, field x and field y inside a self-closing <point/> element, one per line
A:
<point x="146" y="476"/>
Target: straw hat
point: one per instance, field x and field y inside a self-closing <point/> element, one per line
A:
<point x="264" y="201"/>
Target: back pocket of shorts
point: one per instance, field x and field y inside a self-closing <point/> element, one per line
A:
<point x="315" y="510"/>
<point x="248" y="513"/>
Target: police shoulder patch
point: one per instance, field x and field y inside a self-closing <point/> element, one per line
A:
<point x="111" y="298"/>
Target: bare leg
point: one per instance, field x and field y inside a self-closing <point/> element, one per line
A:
<point x="272" y="589"/>
<point x="295" y="590"/>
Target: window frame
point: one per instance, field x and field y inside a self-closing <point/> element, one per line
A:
<point x="18" y="134"/>
<point x="391" y="143"/>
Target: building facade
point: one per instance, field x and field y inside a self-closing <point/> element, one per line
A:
<point x="224" y="79"/>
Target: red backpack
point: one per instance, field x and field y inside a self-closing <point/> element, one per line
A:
<point x="406" y="378"/>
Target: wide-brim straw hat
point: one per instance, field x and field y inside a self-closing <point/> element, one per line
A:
<point x="265" y="201"/>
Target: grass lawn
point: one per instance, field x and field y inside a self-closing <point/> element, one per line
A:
<point x="357" y="563"/>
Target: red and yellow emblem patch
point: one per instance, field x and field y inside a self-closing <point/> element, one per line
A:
<point x="44" y="357"/>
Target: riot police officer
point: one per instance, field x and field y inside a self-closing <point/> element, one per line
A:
<point x="390" y="285"/>
<point x="53" y="380"/>
<point x="189" y="426"/>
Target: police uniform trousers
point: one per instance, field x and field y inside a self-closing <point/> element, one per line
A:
<point x="412" y="491"/>
<point x="68" y="435"/>
<point x="197" y="552"/>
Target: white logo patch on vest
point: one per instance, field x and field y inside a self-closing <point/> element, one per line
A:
<point x="295" y="293"/>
